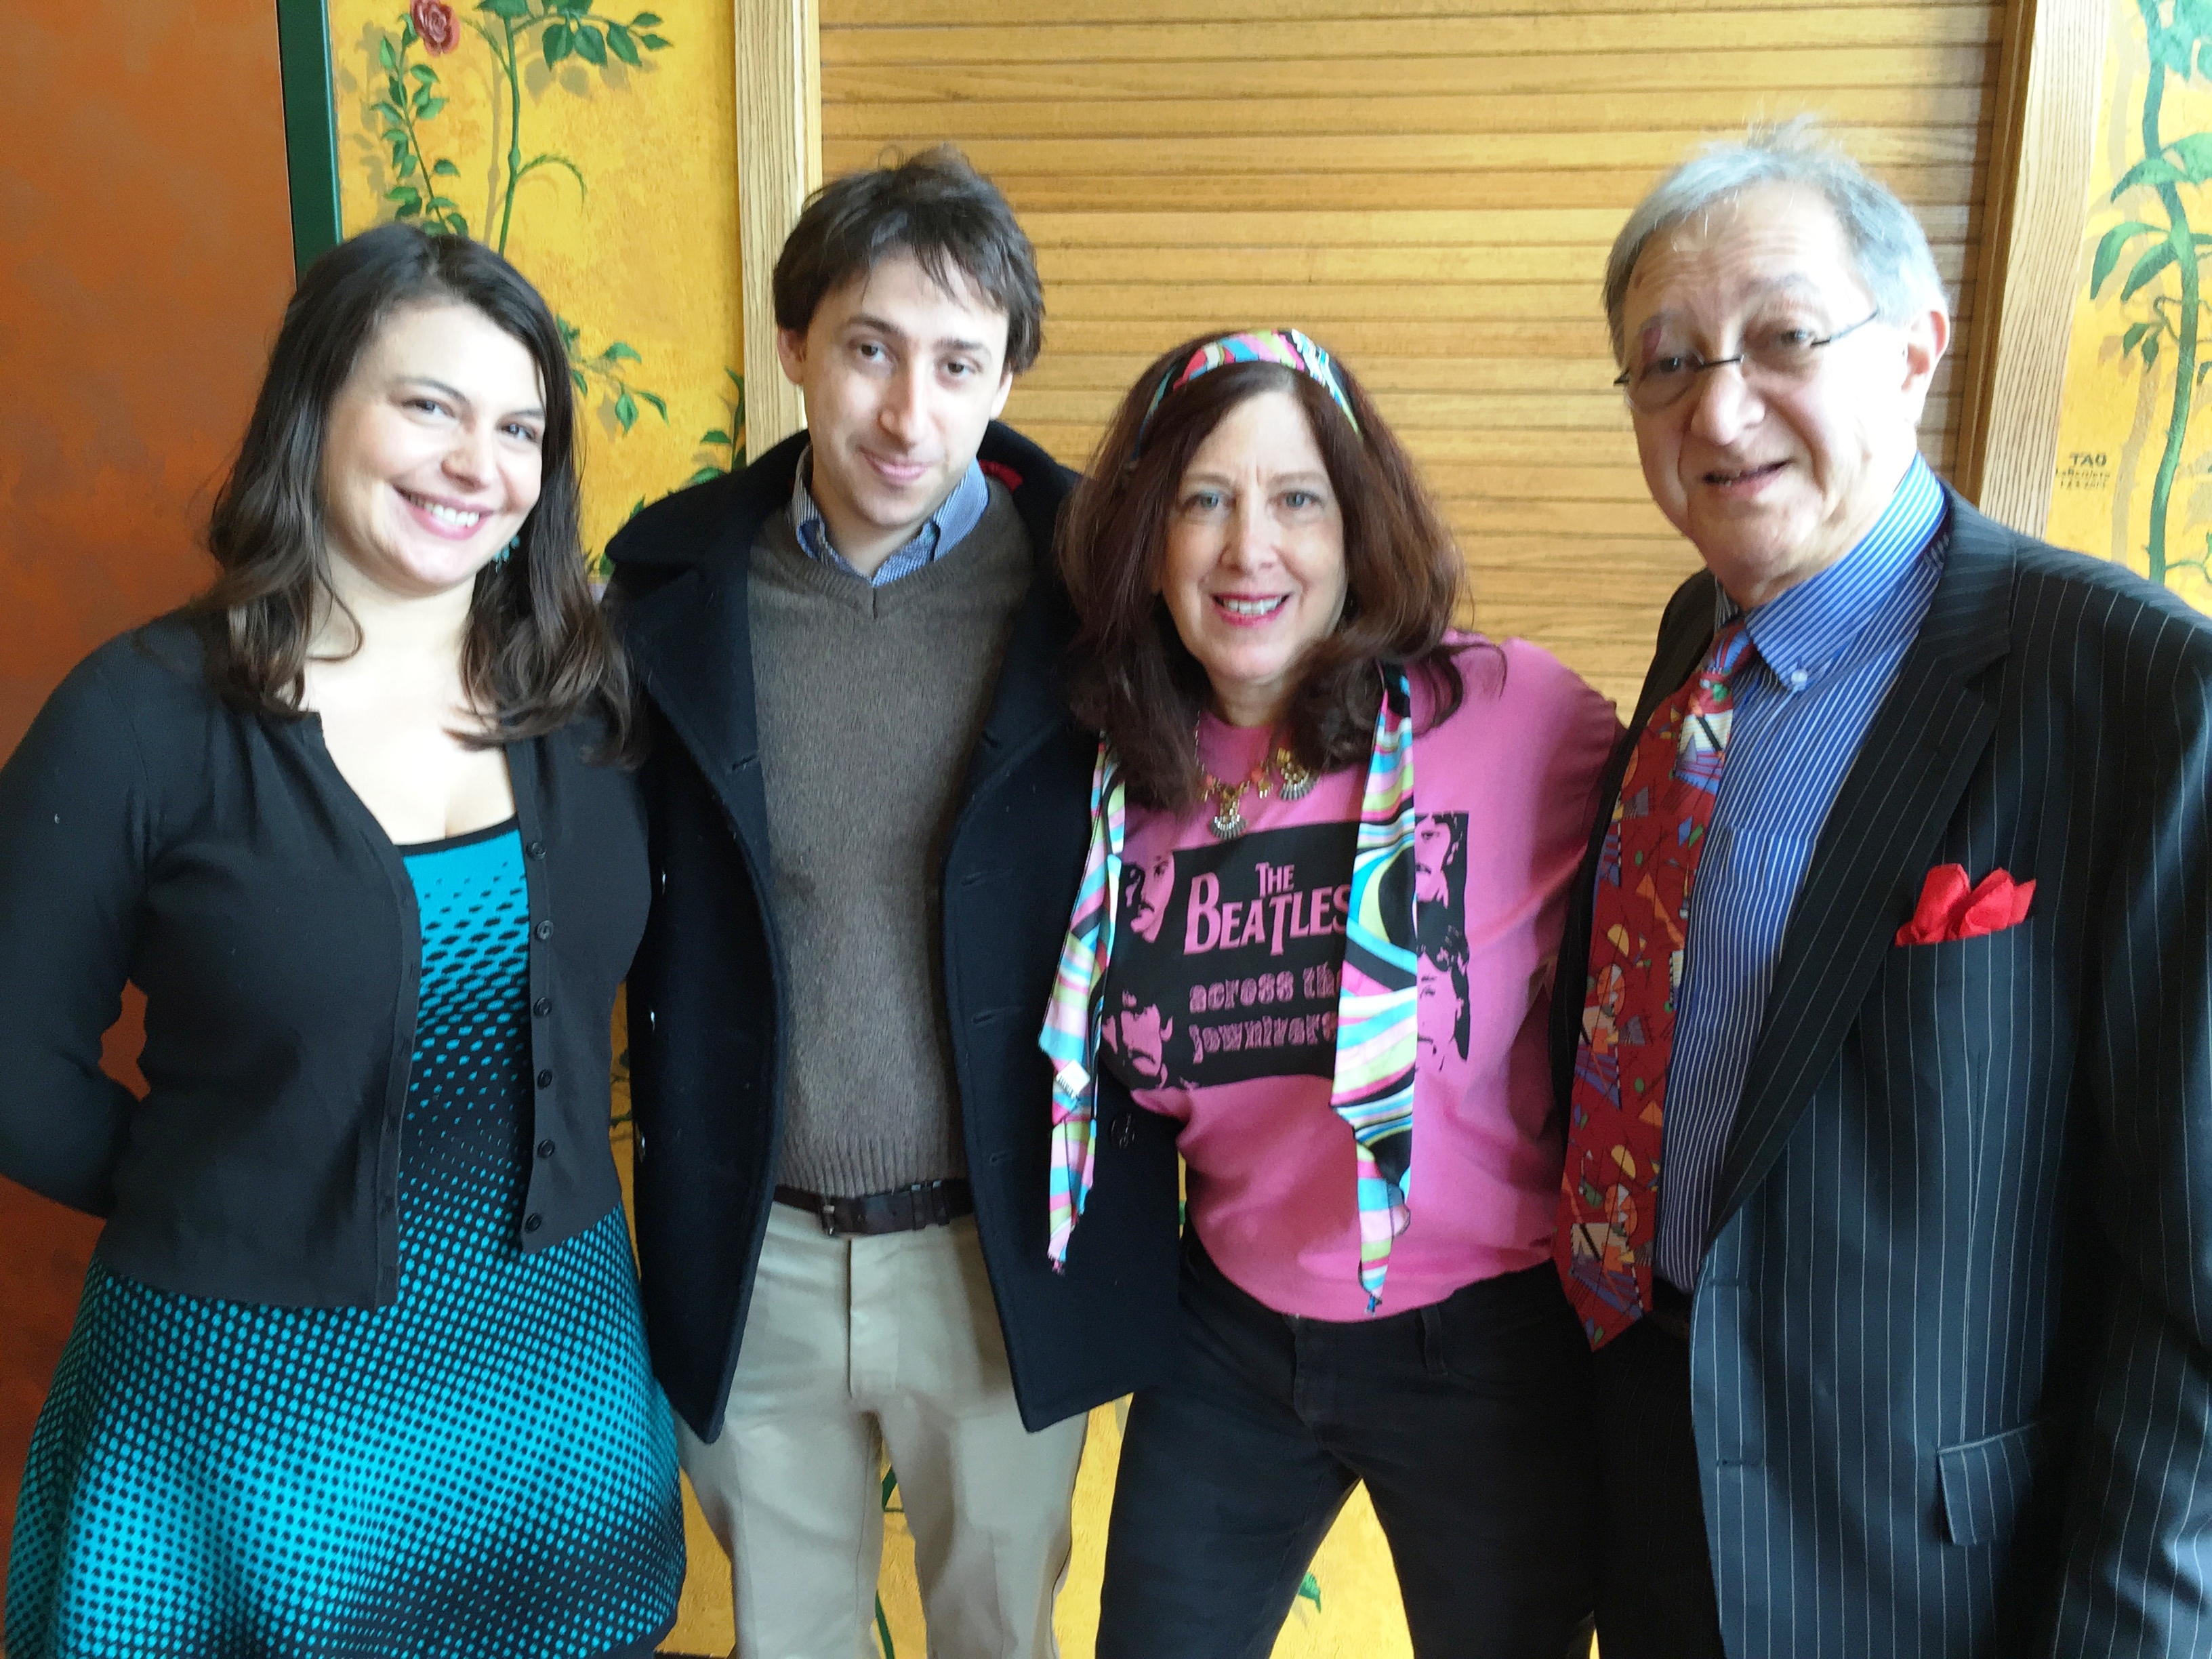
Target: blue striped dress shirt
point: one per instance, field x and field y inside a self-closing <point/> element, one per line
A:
<point x="1827" y="650"/>
<point x="945" y="529"/>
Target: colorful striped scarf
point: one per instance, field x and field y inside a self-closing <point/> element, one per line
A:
<point x="1070" y="1037"/>
<point x="1378" y="1004"/>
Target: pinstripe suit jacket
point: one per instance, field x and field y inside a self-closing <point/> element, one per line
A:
<point x="1951" y="1361"/>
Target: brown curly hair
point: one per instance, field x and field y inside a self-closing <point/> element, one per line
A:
<point x="1130" y="674"/>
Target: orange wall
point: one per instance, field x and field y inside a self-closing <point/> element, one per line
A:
<point x="146" y="258"/>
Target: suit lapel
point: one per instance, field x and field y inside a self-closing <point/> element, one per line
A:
<point x="1919" y="752"/>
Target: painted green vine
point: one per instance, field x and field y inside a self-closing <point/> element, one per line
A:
<point x="889" y="1648"/>
<point x="412" y="96"/>
<point x="719" y="446"/>
<point x="2179" y="36"/>
<point x="729" y="441"/>
<point x="604" y="368"/>
<point x="564" y="28"/>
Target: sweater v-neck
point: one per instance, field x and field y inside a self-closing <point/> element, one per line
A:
<point x="951" y="568"/>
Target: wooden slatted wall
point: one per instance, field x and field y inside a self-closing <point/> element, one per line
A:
<point x="1429" y="188"/>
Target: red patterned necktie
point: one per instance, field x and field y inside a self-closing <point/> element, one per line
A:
<point x="1609" y="1192"/>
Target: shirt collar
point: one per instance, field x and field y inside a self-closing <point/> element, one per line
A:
<point x="942" y="531"/>
<point x="1799" y="633"/>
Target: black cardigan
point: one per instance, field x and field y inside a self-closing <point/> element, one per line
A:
<point x="216" y="859"/>
<point x="707" y="1026"/>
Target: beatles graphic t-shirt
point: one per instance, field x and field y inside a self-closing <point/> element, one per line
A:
<point x="1220" y="1005"/>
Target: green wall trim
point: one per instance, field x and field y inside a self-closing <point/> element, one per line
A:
<point x="311" y="127"/>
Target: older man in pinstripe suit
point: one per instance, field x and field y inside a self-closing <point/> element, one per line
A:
<point x="1884" y="1027"/>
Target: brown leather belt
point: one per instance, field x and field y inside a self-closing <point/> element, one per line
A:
<point x="902" y="1210"/>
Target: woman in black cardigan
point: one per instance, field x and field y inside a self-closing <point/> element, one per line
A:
<point x="359" y="1368"/>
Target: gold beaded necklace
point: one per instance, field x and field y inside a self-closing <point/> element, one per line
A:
<point x="1290" y="780"/>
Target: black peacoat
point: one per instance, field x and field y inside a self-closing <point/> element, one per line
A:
<point x="707" y="1024"/>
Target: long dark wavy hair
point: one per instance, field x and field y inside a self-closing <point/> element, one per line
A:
<point x="1130" y="674"/>
<point x="537" y="653"/>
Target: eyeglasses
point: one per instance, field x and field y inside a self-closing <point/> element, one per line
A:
<point x="1777" y="357"/>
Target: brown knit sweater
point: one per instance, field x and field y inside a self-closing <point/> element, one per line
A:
<point x="871" y="699"/>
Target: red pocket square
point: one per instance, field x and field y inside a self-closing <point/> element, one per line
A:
<point x="1950" y="909"/>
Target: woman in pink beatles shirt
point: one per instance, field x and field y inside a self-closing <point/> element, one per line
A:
<point x="1331" y="844"/>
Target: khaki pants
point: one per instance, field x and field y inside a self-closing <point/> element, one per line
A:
<point x="853" y="1346"/>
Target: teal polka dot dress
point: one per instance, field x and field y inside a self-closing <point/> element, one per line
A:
<point x="485" y="1469"/>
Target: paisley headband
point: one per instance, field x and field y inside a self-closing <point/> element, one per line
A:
<point x="1287" y="346"/>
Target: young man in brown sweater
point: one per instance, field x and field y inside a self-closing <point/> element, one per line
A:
<point x="870" y="812"/>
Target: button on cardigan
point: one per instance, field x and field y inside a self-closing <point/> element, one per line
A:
<point x="217" y="860"/>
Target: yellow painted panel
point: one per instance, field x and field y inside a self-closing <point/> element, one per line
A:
<point x="630" y="232"/>
<point x="2132" y="480"/>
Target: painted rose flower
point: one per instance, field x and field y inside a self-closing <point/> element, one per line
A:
<point x="435" y="23"/>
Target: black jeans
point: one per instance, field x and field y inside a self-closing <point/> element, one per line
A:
<point x="1467" y="1419"/>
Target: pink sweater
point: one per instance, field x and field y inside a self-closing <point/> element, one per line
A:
<point x="1221" y="998"/>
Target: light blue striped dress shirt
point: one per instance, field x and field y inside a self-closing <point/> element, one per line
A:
<point x="945" y="529"/>
<point x="1828" y="650"/>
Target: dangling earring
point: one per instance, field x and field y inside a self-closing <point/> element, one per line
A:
<point x="501" y="557"/>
